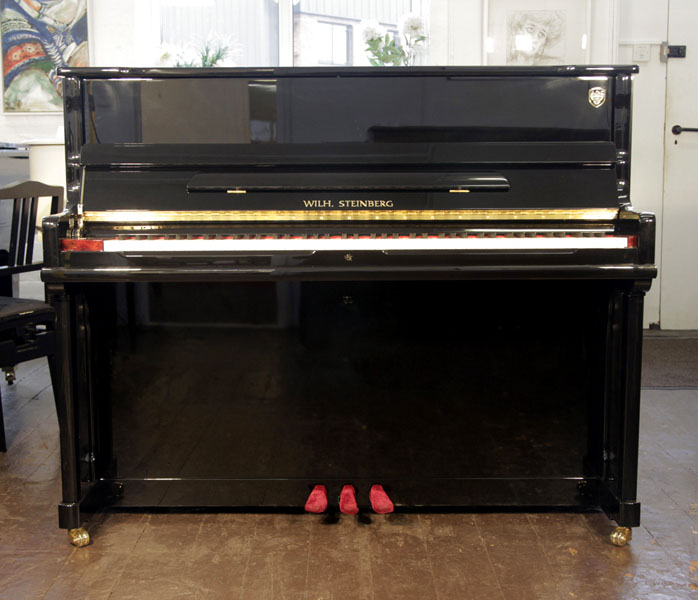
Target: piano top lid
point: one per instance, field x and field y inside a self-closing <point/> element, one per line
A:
<point x="447" y="71"/>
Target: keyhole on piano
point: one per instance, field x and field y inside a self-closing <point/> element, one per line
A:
<point x="348" y="257"/>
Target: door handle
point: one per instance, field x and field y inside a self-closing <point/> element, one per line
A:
<point x="677" y="129"/>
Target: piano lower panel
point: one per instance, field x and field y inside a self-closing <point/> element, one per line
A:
<point x="283" y="494"/>
<point x="452" y="393"/>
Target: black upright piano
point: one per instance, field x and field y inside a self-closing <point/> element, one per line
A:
<point x="430" y="279"/>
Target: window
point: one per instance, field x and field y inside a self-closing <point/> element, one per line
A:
<point x="264" y="33"/>
<point x="334" y="41"/>
<point x="240" y="33"/>
<point x="331" y="32"/>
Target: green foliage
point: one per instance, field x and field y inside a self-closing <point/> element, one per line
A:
<point x="209" y="56"/>
<point x="387" y="52"/>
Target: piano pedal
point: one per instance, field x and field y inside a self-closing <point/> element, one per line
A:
<point x="380" y="501"/>
<point x="317" y="501"/>
<point x="347" y="500"/>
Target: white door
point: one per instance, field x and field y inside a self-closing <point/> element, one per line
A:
<point x="679" y="282"/>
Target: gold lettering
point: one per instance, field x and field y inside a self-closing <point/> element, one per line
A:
<point x="349" y="204"/>
<point x="317" y="203"/>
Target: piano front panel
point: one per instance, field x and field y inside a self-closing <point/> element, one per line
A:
<point x="237" y="394"/>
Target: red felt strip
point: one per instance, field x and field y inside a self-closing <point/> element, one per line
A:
<point x="70" y="244"/>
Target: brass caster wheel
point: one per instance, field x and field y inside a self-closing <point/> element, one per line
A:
<point x="621" y="536"/>
<point x="10" y="376"/>
<point x="79" y="537"/>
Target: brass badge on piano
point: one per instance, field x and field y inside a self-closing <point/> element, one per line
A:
<point x="597" y="96"/>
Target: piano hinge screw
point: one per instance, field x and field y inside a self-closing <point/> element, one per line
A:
<point x="348" y="257"/>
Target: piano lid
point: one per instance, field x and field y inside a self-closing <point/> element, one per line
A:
<point x="293" y="142"/>
<point x="338" y="106"/>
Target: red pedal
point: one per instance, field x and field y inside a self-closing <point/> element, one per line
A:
<point x="347" y="500"/>
<point x="380" y="501"/>
<point x="317" y="501"/>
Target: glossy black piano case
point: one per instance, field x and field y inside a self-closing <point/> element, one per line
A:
<point x="462" y="379"/>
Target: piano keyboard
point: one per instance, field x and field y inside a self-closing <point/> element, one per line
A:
<point x="346" y="243"/>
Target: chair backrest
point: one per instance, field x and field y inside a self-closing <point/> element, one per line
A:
<point x="19" y="257"/>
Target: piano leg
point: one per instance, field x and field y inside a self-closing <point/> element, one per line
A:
<point x="623" y="397"/>
<point x="61" y="369"/>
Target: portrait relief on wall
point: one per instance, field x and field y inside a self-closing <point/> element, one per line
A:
<point x="537" y="32"/>
<point x="38" y="37"/>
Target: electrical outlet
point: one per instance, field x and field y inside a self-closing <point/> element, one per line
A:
<point x="641" y="52"/>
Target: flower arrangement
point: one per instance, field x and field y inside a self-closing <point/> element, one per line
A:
<point x="383" y="50"/>
<point x="209" y="55"/>
<point x="211" y="52"/>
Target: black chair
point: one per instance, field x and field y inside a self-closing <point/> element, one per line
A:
<point x="26" y="326"/>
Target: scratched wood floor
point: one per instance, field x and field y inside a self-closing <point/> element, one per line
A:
<point x="460" y="556"/>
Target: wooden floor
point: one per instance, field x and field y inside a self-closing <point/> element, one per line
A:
<point x="402" y="556"/>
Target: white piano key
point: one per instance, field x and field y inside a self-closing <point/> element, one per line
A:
<point x="352" y="244"/>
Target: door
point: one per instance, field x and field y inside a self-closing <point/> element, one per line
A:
<point x="679" y="282"/>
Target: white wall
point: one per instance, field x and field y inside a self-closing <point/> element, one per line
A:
<point x="464" y="28"/>
<point x="644" y="22"/>
<point x="115" y="28"/>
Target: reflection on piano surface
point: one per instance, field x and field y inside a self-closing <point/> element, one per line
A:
<point x="429" y="280"/>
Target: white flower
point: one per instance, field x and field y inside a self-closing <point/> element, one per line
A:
<point x="371" y="30"/>
<point x="412" y="25"/>
<point x="166" y="55"/>
<point x="188" y="55"/>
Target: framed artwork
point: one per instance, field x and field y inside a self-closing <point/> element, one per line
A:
<point x="38" y="36"/>
<point x="536" y="32"/>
